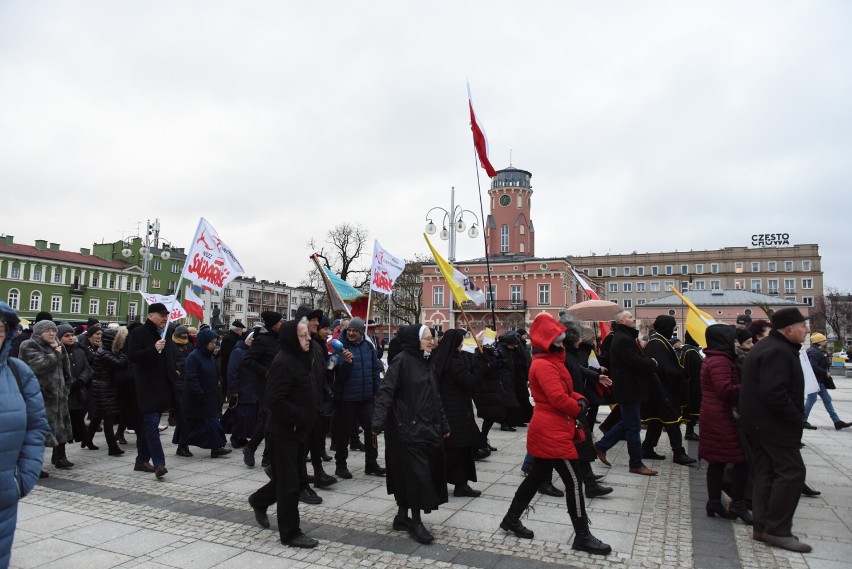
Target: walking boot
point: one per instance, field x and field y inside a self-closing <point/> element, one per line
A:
<point x="841" y="425"/>
<point x="321" y="479"/>
<point x="810" y="492"/>
<point x="595" y="489"/>
<point x="512" y="521"/>
<point x="716" y="508"/>
<point x="739" y="510"/>
<point x="680" y="457"/>
<point x="651" y="454"/>
<point x="585" y="541"/>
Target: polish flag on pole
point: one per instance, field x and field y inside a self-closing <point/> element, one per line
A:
<point x="480" y="141"/>
<point x="604" y="326"/>
<point x="194" y="306"/>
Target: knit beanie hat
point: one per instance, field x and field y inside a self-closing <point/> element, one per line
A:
<point x="358" y="324"/>
<point x="63" y="329"/>
<point x="270" y="318"/>
<point x="43" y="326"/>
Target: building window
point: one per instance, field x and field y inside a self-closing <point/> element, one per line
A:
<point x="738" y="267"/>
<point x="155" y="283"/>
<point x="669" y="270"/>
<point x="57" y="275"/>
<point x="771" y="266"/>
<point x="684" y="286"/>
<point x="807" y="284"/>
<point x="522" y="247"/>
<point x="698" y="285"/>
<point x="626" y="271"/>
<point x="112" y="306"/>
<point x="515" y="294"/>
<point x="684" y="269"/>
<point x="655" y="286"/>
<point x="520" y="200"/>
<point x="628" y="287"/>
<point x="655" y="270"/>
<point x="739" y="284"/>
<point x="490" y="294"/>
<point x="809" y="300"/>
<point x="240" y="293"/>
<point x="789" y="286"/>
<point x="627" y="303"/>
<point x="75" y="305"/>
<point x="15" y="274"/>
<point x="772" y="286"/>
<point x="175" y="268"/>
<point x="600" y="272"/>
<point x="586" y="272"/>
<point x="93" y="280"/>
<point x="158" y="266"/>
<point x="112" y="281"/>
<point x="544" y="294"/>
<point x="755" y="285"/>
<point x="788" y="266"/>
<point x="715" y="285"/>
<point x="714" y="268"/>
<point x="806" y="265"/>
<point x="640" y="287"/>
<point x="613" y="287"/>
<point x="640" y="271"/>
<point x="37" y="274"/>
<point x="438" y="295"/>
<point x="14" y="299"/>
<point x="132" y="309"/>
<point x="56" y="303"/>
<point x="238" y="307"/>
<point x="699" y="269"/>
<point x="613" y="271"/>
<point x="640" y="301"/>
<point x="668" y="285"/>
<point x="136" y="285"/>
<point x="35" y="300"/>
<point x="521" y="228"/>
<point x="94" y="306"/>
<point x="755" y="266"/>
<point x="504" y="238"/>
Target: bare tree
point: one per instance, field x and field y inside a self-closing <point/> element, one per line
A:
<point x="834" y="309"/>
<point x="341" y="251"/>
<point x="406" y="301"/>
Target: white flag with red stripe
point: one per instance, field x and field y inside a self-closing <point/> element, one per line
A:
<point x="194" y="306"/>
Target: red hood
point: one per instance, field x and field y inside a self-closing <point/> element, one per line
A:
<point x="545" y="328"/>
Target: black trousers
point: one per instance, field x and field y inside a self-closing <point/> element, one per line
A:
<point x="283" y="488"/>
<point x="779" y="475"/>
<point x="715" y="475"/>
<point x="348" y="415"/>
<point x="655" y="429"/>
<point x="542" y="471"/>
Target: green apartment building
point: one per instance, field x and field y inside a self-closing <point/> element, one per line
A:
<point x="101" y="282"/>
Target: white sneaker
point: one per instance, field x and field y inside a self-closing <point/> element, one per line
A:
<point x="162" y="428"/>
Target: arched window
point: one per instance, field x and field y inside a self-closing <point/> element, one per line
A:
<point x="14" y="299"/>
<point x="520" y="200"/>
<point x="522" y="248"/>
<point x="521" y="228"/>
<point x="504" y="238"/>
<point x="35" y="300"/>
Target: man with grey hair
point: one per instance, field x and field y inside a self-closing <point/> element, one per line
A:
<point x="630" y="371"/>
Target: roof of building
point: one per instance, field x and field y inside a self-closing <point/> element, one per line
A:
<point x="722" y="297"/>
<point x="61" y="256"/>
<point x="493" y="259"/>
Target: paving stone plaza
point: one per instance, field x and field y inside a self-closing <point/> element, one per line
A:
<point x="102" y="514"/>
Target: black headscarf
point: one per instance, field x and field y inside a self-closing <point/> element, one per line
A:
<point x="446" y="350"/>
<point x="409" y="339"/>
<point x="288" y="340"/>
<point x="664" y="325"/>
<point x="721" y="337"/>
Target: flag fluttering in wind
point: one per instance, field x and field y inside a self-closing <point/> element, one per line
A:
<point x="385" y="270"/>
<point x="697" y="320"/>
<point x="462" y="287"/>
<point x="176" y="311"/>
<point x="342" y="296"/>
<point x="604" y="326"/>
<point x="193" y="304"/>
<point x="210" y="263"/>
<point x="480" y="141"/>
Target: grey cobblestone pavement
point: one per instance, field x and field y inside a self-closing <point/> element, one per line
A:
<point x="102" y="514"/>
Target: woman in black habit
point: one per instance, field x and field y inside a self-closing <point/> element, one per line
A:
<point x="408" y="407"/>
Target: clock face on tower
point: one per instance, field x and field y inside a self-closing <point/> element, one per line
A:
<point x="505" y="200"/>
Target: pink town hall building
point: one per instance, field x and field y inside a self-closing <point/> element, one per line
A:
<point x="522" y="285"/>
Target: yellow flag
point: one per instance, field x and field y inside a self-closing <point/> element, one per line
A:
<point x="697" y="320"/>
<point x="462" y="287"/>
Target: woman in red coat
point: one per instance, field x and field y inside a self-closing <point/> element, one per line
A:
<point x="719" y="438"/>
<point x="551" y="433"/>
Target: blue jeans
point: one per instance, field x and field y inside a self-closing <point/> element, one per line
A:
<point x="629" y="429"/>
<point x="148" y="446"/>
<point x="826" y="400"/>
<point x="527" y="465"/>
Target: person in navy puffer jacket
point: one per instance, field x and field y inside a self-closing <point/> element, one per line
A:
<point x="355" y="387"/>
<point x="23" y="429"/>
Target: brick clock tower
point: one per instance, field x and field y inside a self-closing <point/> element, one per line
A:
<point x="509" y="229"/>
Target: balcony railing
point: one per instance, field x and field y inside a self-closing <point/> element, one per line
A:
<point x="79" y="289"/>
<point x="508" y="305"/>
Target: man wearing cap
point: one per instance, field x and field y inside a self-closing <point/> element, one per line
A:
<point x="743" y="321"/>
<point x="821" y="364"/>
<point x="257" y="360"/>
<point x="155" y="376"/>
<point x="356" y="385"/>
<point x="229" y="342"/>
<point x="772" y="409"/>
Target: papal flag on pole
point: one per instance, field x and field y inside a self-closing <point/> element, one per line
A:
<point x="462" y="287"/>
<point x="697" y="320"/>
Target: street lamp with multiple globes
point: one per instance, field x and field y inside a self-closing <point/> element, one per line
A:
<point x="453" y="222"/>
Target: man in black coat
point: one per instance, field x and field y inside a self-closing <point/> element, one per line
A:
<point x="772" y="408"/>
<point x="155" y="384"/>
<point x="630" y="372"/>
<point x="257" y="361"/>
<point x="228" y="343"/>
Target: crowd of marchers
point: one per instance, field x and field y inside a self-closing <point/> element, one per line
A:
<point x="310" y="390"/>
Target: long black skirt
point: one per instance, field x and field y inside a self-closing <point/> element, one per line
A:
<point x="241" y="420"/>
<point x="205" y="433"/>
<point x="461" y="466"/>
<point x="416" y="474"/>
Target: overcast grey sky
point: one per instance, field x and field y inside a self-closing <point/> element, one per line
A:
<point x="648" y="126"/>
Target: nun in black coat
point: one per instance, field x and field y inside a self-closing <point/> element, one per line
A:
<point x="458" y="375"/>
<point x="408" y="407"/>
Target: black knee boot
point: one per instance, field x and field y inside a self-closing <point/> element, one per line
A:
<point x="512" y="521"/>
<point x="592" y="487"/>
<point x="585" y="541"/>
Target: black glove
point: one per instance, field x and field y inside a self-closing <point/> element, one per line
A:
<point x="584" y="409"/>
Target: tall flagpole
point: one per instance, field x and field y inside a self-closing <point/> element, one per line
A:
<point x="484" y="238"/>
